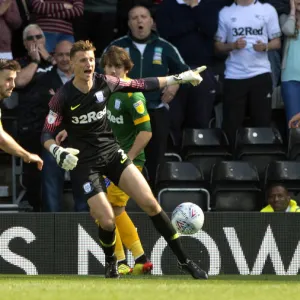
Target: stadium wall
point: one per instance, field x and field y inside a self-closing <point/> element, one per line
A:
<point x="230" y="243"/>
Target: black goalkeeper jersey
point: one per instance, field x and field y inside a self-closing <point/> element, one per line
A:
<point x="84" y="117"/>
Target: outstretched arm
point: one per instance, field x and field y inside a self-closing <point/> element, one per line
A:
<point x="9" y="145"/>
<point x="154" y="83"/>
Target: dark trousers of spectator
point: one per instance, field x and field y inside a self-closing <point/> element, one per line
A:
<point x="240" y="95"/>
<point x="157" y="146"/>
<point x="192" y="107"/>
<point x="31" y="174"/>
<point x="97" y="27"/>
<point x="53" y="178"/>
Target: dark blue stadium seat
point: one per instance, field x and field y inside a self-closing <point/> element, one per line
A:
<point x="204" y="148"/>
<point x="235" y="186"/>
<point x="260" y="146"/>
<point x="178" y="182"/>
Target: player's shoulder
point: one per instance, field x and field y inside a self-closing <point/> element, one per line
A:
<point x="65" y="92"/>
<point x="137" y="96"/>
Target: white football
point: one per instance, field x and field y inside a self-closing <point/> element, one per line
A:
<point x="187" y="218"/>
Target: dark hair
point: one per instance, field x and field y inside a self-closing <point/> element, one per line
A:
<point x="81" y="46"/>
<point x="271" y="185"/>
<point x="9" y="64"/>
<point x="116" y="56"/>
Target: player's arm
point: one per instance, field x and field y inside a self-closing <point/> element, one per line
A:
<point x="9" y="145"/>
<point x="153" y="83"/>
<point x="65" y="157"/>
<point x="140" y="142"/>
<point x="138" y="111"/>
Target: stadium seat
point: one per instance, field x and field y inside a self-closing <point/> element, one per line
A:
<point x="286" y="172"/>
<point x="172" y="152"/>
<point x="178" y="182"/>
<point x="235" y="187"/>
<point x="260" y="146"/>
<point x="294" y="144"/>
<point x="204" y="148"/>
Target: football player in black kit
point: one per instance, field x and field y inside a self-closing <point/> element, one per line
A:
<point x="80" y="106"/>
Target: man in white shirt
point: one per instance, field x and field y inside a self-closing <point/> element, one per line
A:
<point x="247" y="30"/>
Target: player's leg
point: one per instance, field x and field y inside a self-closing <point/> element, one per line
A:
<point x="133" y="183"/>
<point x="103" y="214"/>
<point x="128" y="234"/>
<point x="93" y="189"/>
<point x="123" y="267"/>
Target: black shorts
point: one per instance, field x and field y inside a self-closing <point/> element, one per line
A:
<point x="90" y="175"/>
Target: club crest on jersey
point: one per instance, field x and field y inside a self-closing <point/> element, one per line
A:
<point x="117" y="104"/>
<point x="157" y="57"/>
<point x="100" y="97"/>
<point x="88" y="187"/>
<point x="51" y="118"/>
<point x="139" y="107"/>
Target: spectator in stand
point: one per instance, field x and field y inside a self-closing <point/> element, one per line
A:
<point x="34" y="65"/>
<point x="9" y="20"/>
<point x="56" y="19"/>
<point x="247" y="30"/>
<point x="97" y="23"/>
<point x="190" y="25"/>
<point x="290" y="76"/>
<point x="123" y="7"/>
<point x="152" y="56"/>
<point x="279" y="200"/>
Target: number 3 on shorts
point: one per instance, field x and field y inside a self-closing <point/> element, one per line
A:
<point x="123" y="156"/>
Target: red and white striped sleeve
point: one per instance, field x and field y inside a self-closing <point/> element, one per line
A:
<point x="131" y="85"/>
<point x="54" y="117"/>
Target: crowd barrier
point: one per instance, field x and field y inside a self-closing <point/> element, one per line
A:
<point x="229" y="243"/>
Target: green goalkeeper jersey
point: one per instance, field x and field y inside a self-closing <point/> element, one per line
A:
<point x="128" y="115"/>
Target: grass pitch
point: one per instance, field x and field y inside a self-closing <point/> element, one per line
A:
<point x="149" y="287"/>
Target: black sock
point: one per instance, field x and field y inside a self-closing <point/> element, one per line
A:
<point x="141" y="260"/>
<point x="107" y="241"/>
<point x="163" y="225"/>
<point x="124" y="261"/>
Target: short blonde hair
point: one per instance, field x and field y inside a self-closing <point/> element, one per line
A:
<point x="81" y="46"/>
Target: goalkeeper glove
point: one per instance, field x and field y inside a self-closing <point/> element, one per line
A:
<point x="65" y="157"/>
<point x="190" y="76"/>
